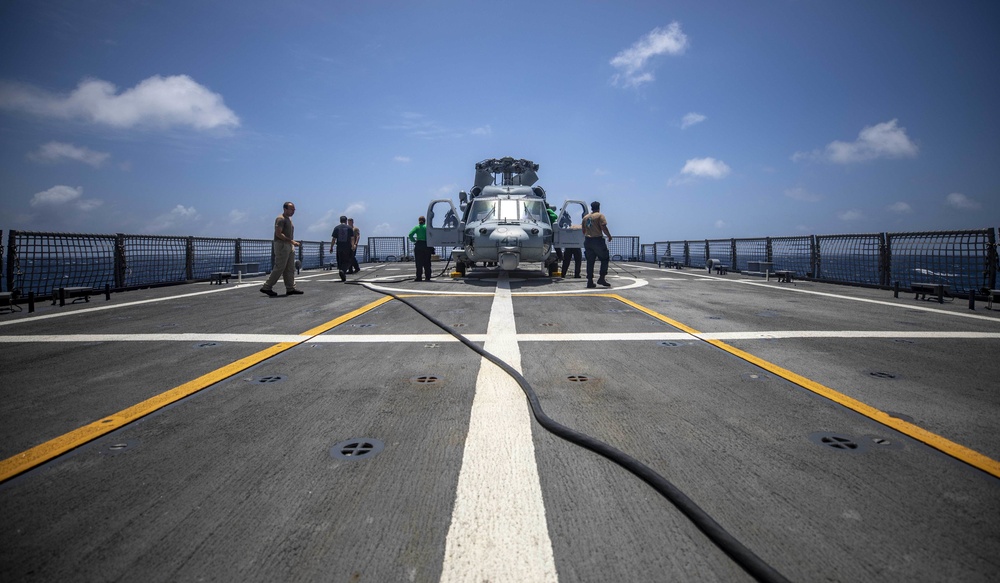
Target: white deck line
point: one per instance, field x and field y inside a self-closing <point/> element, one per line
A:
<point x="775" y="285"/>
<point x="675" y="276"/>
<point x="442" y="338"/>
<point x="498" y="505"/>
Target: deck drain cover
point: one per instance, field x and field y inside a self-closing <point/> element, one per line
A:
<point x="549" y="324"/>
<point x="425" y="380"/>
<point x="275" y="378"/>
<point x="670" y="343"/>
<point x="884" y="442"/>
<point x="362" y="325"/>
<point x="117" y="447"/>
<point x="882" y="375"/>
<point x="206" y="344"/>
<point x="356" y="449"/>
<point x="837" y="441"/>
<point x="578" y="378"/>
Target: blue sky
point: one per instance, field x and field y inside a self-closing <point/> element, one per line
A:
<point x="687" y="120"/>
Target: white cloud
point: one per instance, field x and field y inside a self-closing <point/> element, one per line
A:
<point x="850" y="215"/>
<point x="57" y="195"/>
<point x="62" y="197"/>
<point x="419" y="125"/>
<point x="88" y="204"/>
<point x="884" y="140"/>
<point x="237" y="216"/>
<point x="446" y="191"/>
<point x="58" y="151"/>
<point x="401" y="159"/>
<point x="900" y="207"/>
<point x="326" y="223"/>
<point x="157" y="101"/>
<point x="178" y="218"/>
<point x="600" y="172"/>
<point x="705" y="167"/>
<point x="720" y="224"/>
<point x="632" y="63"/>
<point x="799" y="193"/>
<point x="962" y="202"/>
<point x="383" y="229"/>
<point x="331" y="218"/>
<point x="692" y="119"/>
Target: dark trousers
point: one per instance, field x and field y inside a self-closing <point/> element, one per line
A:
<point x="596" y="249"/>
<point x="344" y="256"/>
<point x="422" y="256"/>
<point x="354" y="261"/>
<point x="571" y="253"/>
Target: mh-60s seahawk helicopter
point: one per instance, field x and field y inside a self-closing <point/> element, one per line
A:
<point x="505" y="224"/>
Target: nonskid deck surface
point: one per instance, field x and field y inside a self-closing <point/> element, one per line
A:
<point x="210" y="432"/>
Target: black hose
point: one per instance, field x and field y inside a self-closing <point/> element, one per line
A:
<point x="744" y="557"/>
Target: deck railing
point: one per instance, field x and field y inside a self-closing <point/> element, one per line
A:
<point x="964" y="260"/>
<point x="41" y="263"/>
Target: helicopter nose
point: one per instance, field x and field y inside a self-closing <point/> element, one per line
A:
<point x="509" y="261"/>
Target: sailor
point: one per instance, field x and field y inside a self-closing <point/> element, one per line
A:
<point x="284" y="246"/>
<point x="342" y="237"/>
<point x="421" y="252"/>
<point x="574" y="254"/>
<point x="354" y="247"/>
<point x="595" y="226"/>
<point x="553" y="219"/>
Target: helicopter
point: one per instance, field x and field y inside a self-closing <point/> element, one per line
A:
<point x="505" y="224"/>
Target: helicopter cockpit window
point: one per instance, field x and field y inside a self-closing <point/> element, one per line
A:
<point x="534" y="210"/>
<point x="482" y="210"/>
<point x="508" y="210"/>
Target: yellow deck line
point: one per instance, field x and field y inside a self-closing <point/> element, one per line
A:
<point x="955" y="450"/>
<point x="44" y="452"/>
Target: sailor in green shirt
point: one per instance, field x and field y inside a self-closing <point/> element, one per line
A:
<point x="421" y="252"/>
<point x="553" y="217"/>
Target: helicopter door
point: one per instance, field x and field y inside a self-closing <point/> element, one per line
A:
<point x="443" y="224"/>
<point x="568" y="230"/>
